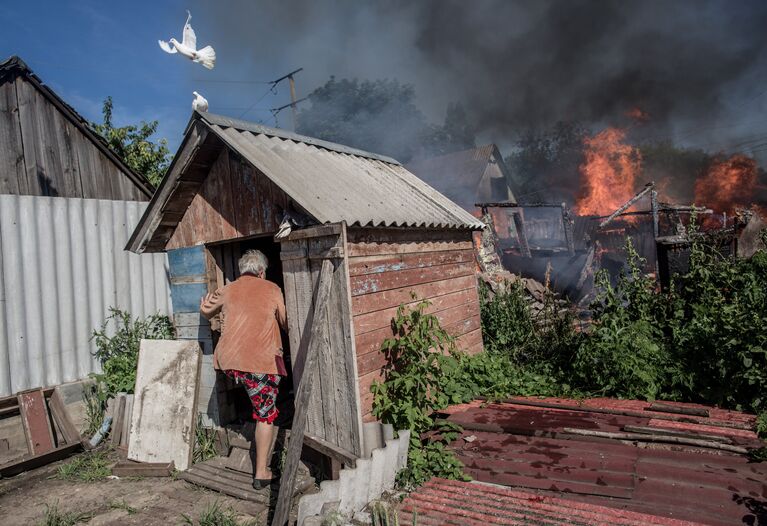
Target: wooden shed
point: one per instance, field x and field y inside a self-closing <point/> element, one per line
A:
<point x="388" y="234"/>
<point x="48" y="149"/>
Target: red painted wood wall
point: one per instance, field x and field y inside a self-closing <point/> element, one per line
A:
<point x="385" y="267"/>
<point x="234" y="201"/>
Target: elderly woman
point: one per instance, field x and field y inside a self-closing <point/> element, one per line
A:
<point x="250" y="349"/>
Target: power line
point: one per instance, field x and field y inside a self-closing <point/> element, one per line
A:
<point x="232" y="81"/>
<point x="272" y="88"/>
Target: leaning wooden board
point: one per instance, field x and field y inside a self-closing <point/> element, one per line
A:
<point x="164" y="412"/>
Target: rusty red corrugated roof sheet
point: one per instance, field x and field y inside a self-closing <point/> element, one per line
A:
<point x="441" y="501"/>
<point x="538" y="447"/>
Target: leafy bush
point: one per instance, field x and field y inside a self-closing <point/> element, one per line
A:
<point x="624" y="354"/>
<point x="411" y="392"/>
<point x="118" y="347"/>
<point x="761" y="424"/>
<point x="719" y="332"/>
<point x="704" y="340"/>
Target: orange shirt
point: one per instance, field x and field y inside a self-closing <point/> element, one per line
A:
<point x="252" y="312"/>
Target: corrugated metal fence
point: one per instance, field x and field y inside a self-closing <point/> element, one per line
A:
<point x="62" y="265"/>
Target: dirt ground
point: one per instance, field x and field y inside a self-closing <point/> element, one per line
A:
<point x="23" y="500"/>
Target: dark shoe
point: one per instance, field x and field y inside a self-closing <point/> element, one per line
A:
<point x="262" y="483"/>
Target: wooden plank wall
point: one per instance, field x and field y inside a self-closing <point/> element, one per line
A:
<point x="333" y="412"/>
<point x="234" y="201"/>
<point x="385" y="267"/>
<point x="44" y="153"/>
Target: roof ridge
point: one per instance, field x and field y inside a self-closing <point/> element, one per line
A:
<point x="253" y="127"/>
<point x="15" y="63"/>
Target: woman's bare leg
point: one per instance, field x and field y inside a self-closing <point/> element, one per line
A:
<point x="265" y="434"/>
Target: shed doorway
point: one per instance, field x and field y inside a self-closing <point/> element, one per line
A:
<point x="233" y="403"/>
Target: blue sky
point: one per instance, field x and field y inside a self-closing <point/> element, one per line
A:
<point x="87" y="50"/>
<point x="698" y="67"/>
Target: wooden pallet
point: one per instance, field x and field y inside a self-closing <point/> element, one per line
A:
<point x="213" y="474"/>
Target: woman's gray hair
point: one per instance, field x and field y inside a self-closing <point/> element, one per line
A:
<point x="253" y="261"/>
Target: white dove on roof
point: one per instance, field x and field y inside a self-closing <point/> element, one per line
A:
<point x="199" y="103"/>
<point x="188" y="46"/>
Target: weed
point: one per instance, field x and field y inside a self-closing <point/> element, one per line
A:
<point x="54" y="517"/>
<point x="761" y="425"/>
<point x="117" y="347"/>
<point x="122" y="505"/>
<point x="95" y="406"/>
<point x="383" y="514"/>
<point x="215" y="515"/>
<point x="205" y="439"/>
<point x="88" y="467"/>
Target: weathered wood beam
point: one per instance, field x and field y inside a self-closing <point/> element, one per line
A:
<point x="326" y="448"/>
<point x="567" y="226"/>
<point x="648" y="187"/>
<point x="303" y="395"/>
<point x="519" y="226"/>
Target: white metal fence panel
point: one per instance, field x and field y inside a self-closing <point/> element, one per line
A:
<point x="62" y="265"/>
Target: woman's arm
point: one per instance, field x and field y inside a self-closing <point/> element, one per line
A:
<point x="211" y="303"/>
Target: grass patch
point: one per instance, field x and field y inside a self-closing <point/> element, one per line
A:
<point x="216" y="515"/>
<point x="205" y="439"/>
<point x="88" y="467"/>
<point x="55" y="517"/>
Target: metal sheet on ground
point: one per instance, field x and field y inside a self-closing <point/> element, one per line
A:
<point x="164" y="405"/>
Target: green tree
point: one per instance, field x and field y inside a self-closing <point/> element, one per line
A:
<point x="545" y="163"/>
<point x="381" y="116"/>
<point x="132" y="144"/>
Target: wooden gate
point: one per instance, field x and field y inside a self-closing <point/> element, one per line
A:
<point x="333" y="411"/>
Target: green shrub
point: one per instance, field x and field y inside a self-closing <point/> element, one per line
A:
<point x="510" y="326"/>
<point x="117" y="347"/>
<point x="761" y="425"/>
<point x="719" y="335"/>
<point x="417" y="358"/>
<point x="507" y="323"/>
<point x="624" y="355"/>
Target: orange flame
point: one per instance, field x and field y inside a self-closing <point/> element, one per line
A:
<point x="638" y="115"/>
<point x="608" y="174"/>
<point x="729" y="183"/>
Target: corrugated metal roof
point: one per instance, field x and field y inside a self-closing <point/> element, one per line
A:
<point x="62" y="265"/>
<point x="441" y="501"/>
<point x="330" y="182"/>
<point x="543" y="445"/>
<point x="335" y="183"/>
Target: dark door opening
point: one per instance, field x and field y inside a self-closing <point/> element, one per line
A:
<point x="234" y="405"/>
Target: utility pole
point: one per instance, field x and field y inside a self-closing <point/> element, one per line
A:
<point x="293" y="100"/>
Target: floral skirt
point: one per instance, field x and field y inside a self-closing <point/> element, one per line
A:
<point x="262" y="390"/>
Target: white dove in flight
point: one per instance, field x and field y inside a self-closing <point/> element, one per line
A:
<point x="199" y="103"/>
<point x="188" y="46"/>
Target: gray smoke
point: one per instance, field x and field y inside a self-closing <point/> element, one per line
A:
<point x="697" y="68"/>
